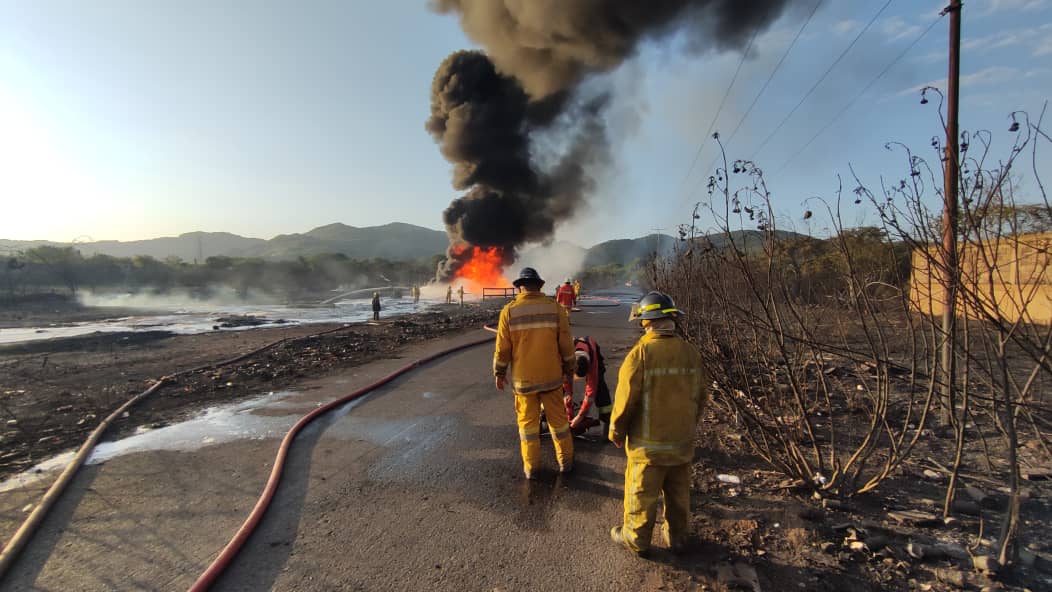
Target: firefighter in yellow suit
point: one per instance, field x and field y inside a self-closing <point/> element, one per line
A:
<point x="534" y="342"/>
<point x="661" y="392"/>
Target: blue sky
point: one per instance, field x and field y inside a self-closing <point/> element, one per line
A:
<point x="130" y="119"/>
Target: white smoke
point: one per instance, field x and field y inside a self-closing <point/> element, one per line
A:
<point x="554" y="262"/>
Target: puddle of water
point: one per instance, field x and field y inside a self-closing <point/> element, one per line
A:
<point x="258" y="418"/>
<point x="237" y="421"/>
<point x="202" y="320"/>
<point x="217" y="424"/>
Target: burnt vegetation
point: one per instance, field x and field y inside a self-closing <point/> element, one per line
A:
<point x="824" y="346"/>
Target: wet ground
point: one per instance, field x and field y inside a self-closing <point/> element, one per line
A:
<point x="54" y="392"/>
<point x="418" y="486"/>
<point x="191" y="317"/>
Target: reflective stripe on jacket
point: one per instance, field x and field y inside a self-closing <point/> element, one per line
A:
<point x="533" y="338"/>
<point x="661" y="392"/>
<point x="588" y="347"/>
<point x="565" y="296"/>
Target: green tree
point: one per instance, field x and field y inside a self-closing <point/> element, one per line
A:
<point x="101" y="270"/>
<point x="12" y="270"/>
<point x="61" y="263"/>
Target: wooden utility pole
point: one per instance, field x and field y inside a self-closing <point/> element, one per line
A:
<point x="951" y="273"/>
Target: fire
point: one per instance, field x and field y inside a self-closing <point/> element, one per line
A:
<point x="482" y="267"/>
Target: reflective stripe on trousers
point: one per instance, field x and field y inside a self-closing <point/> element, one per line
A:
<point x="522" y="387"/>
<point x="528" y="414"/>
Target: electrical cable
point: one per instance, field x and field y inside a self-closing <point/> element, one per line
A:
<point x="820" y="79"/>
<point x="708" y="132"/>
<point x="769" y="79"/>
<point x="847" y="106"/>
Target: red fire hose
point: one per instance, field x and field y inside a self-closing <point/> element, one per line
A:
<point x="29" y="526"/>
<point x="604" y="299"/>
<point x="206" y="579"/>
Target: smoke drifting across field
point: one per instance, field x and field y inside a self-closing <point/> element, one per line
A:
<point x="522" y="121"/>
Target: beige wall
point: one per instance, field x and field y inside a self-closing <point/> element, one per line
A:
<point x="1012" y="277"/>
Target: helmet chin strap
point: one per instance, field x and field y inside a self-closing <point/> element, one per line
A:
<point x="665" y="325"/>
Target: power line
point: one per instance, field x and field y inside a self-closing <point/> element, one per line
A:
<point x="847" y="106"/>
<point x="821" y="78"/>
<point x="719" y="110"/>
<point x="768" y="82"/>
<point x="771" y="77"/>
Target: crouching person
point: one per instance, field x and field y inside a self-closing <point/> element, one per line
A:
<point x="590" y="366"/>
<point x="661" y="392"/>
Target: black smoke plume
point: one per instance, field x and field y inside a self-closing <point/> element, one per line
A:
<point x="523" y="130"/>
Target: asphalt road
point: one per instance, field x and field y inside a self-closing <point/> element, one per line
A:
<point x="417" y="487"/>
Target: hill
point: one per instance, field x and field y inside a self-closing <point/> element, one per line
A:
<point x="191" y="246"/>
<point x="396" y="241"/>
<point x="746" y="240"/>
<point x="626" y="250"/>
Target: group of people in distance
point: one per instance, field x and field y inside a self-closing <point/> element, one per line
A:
<point x="661" y="392"/>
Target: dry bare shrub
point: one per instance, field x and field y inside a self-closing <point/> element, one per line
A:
<point x="826" y="356"/>
<point x="796" y="331"/>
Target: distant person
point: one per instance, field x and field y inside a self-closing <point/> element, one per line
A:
<point x="661" y="392"/>
<point x="534" y="341"/>
<point x="576" y="290"/>
<point x="565" y="296"/>
<point x="461" y="292"/>
<point x="376" y="306"/>
<point x="449" y="294"/>
<point x="590" y="366"/>
<point x="416" y="294"/>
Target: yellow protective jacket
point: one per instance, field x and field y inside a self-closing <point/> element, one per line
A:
<point x="661" y="392"/>
<point x="533" y="338"/>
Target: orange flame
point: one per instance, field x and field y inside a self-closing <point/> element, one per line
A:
<point x="483" y="269"/>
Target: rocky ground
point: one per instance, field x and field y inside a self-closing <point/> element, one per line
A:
<point x="54" y="392"/>
<point x="755" y="529"/>
<point x="763" y="532"/>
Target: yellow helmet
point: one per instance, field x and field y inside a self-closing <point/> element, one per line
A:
<point x="654" y="305"/>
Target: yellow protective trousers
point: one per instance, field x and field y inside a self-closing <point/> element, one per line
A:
<point x="528" y="413"/>
<point x="644" y="484"/>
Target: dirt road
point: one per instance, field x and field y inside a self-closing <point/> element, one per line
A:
<point x="417" y="487"/>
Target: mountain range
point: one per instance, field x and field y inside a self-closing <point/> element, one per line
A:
<point x="396" y="241"/>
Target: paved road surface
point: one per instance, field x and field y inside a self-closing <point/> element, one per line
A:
<point x="418" y="487"/>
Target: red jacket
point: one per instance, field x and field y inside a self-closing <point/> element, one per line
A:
<point x="588" y="348"/>
<point x="565" y="296"/>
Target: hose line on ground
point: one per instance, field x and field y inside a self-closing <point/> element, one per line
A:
<point x="30" y="525"/>
<point x="226" y="556"/>
<point x="611" y="301"/>
<point x="32" y="522"/>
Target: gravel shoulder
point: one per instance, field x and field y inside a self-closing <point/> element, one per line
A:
<point x="54" y="392"/>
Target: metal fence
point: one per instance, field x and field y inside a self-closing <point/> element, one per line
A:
<point x="506" y="293"/>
